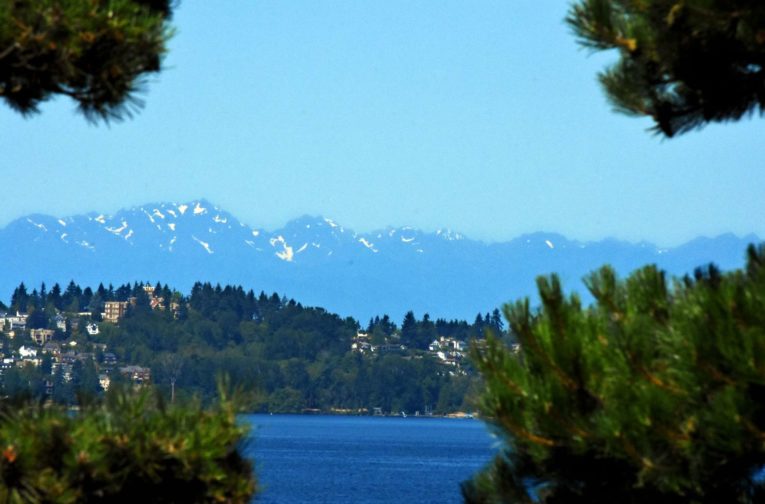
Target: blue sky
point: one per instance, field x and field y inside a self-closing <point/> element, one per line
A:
<point x="484" y="117"/>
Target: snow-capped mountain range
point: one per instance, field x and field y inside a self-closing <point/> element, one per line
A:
<point x="319" y="262"/>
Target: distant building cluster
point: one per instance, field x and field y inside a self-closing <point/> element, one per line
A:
<point x="361" y="344"/>
<point x="27" y="347"/>
<point x="114" y="311"/>
<point x="448" y="350"/>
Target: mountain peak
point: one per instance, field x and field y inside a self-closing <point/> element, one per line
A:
<point x="319" y="261"/>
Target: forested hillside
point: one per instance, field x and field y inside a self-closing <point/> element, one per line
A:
<point x="284" y="356"/>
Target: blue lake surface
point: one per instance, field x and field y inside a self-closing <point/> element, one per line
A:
<point x="306" y="458"/>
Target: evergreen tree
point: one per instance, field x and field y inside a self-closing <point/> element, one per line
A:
<point x="34" y="300"/>
<point x="97" y="53"/>
<point x="142" y="303"/>
<point x="88" y="387"/>
<point x="387" y="325"/>
<point x="43" y="295"/>
<point x="122" y="293"/>
<point x="55" y="296"/>
<point x="85" y="299"/>
<point x="371" y="325"/>
<point x="684" y="64"/>
<point x="46" y="365"/>
<point x="62" y="389"/>
<point x="653" y="394"/>
<point x="71" y="297"/>
<point x="426" y="333"/>
<point x="37" y="319"/>
<point x="96" y="306"/>
<point x="20" y="298"/>
<point x="495" y="322"/>
<point x="409" y="329"/>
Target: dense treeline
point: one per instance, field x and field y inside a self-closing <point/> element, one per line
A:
<point x="285" y="356"/>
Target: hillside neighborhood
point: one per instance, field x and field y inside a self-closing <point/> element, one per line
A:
<point x="68" y="344"/>
<point x="72" y="339"/>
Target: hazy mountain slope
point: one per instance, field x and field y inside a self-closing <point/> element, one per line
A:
<point x="319" y="262"/>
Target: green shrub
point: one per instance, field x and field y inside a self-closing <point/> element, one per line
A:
<point x="656" y="393"/>
<point x="131" y="448"/>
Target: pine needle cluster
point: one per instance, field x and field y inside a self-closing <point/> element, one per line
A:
<point x="655" y="393"/>
<point x="684" y="63"/>
<point x="97" y="52"/>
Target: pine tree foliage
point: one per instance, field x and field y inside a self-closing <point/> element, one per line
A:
<point x="128" y="449"/>
<point x="96" y="52"/>
<point x="684" y="63"/>
<point x="655" y="393"/>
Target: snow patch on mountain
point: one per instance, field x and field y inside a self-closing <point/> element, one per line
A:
<point x="172" y="212"/>
<point x="255" y="233"/>
<point x="171" y="225"/>
<point x="182" y="208"/>
<point x="118" y="230"/>
<point x="129" y="234"/>
<point x="407" y="240"/>
<point x="286" y="254"/>
<point x="63" y="237"/>
<point x="40" y="226"/>
<point x="220" y="220"/>
<point x="101" y="218"/>
<point x="159" y="214"/>
<point x="86" y="245"/>
<point x="368" y="245"/>
<point x="205" y="245"/>
<point x="550" y="244"/>
<point x="199" y="210"/>
<point x="301" y="249"/>
<point x="62" y="222"/>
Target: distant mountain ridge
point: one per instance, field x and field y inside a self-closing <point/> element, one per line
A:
<point x="320" y="262"/>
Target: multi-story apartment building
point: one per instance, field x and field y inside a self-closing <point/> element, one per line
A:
<point x="114" y="311"/>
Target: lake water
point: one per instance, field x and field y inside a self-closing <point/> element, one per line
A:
<point x="305" y="458"/>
